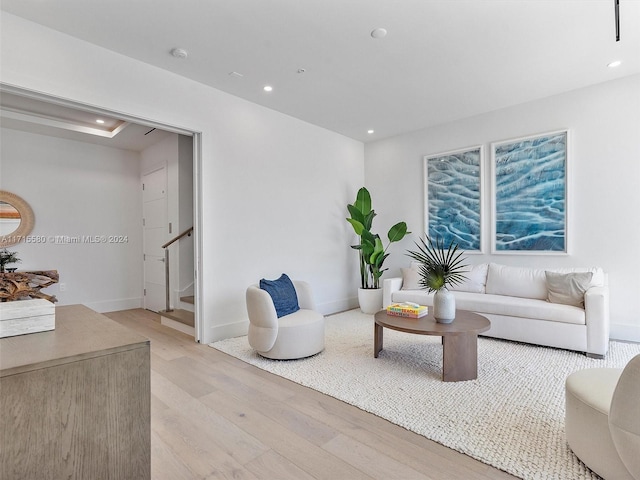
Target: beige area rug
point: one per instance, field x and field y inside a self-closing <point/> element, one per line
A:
<point x="511" y="417"/>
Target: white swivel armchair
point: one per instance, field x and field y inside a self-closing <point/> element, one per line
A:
<point x="297" y="335"/>
<point x="602" y="419"/>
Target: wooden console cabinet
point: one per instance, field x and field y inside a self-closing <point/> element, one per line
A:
<point x="75" y="401"/>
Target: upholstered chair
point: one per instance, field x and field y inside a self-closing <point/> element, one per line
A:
<point x="296" y="335"/>
<point x="602" y="419"/>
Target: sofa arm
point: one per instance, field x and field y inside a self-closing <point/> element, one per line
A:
<point x="596" y="306"/>
<point x="390" y="285"/>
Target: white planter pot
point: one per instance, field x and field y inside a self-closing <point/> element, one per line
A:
<point x="370" y="299"/>
<point x="444" y="306"/>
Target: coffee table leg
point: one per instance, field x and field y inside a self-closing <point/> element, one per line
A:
<point x="460" y="357"/>
<point x="377" y="339"/>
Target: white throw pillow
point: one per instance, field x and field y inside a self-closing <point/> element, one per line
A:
<point x="476" y="280"/>
<point x="411" y="278"/>
<point x="568" y="288"/>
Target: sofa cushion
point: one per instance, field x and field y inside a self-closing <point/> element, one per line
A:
<point x="516" y="281"/>
<point x="411" y="277"/>
<point x="568" y="288"/>
<point x="501" y="305"/>
<point x="520" y="307"/>
<point x="476" y="280"/>
<point x="530" y="282"/>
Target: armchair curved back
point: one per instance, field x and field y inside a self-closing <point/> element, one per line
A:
<point x="624" y="417"/>
<point x="305" y="295"/>
<point x="263" y="320"/>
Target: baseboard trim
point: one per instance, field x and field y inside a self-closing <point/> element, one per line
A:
<point x="228" y="330"/>
<point x="116" y="305"/>
<point x="338" y="306"/>
<point x="626" y="333"/>
<point x="240" y="328"/>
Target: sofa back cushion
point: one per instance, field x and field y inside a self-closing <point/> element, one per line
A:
<point x="516" y="281"/>
<point x="475" y="282"/>
<point x="411" y="277"/>
<point x="476" y="279"/>
<point x="530" y="282"/>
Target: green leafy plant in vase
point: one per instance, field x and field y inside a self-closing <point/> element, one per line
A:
<point x="371" y="250"/>
<point x="7" y="257"/>
<point x="440" y="267"/>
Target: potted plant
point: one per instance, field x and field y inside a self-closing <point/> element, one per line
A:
<point x="372" y="252"/>
<point x="7" y="257"/>
<point x="440" y="267"/>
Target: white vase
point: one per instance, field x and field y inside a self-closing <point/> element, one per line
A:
<point x="370" y="299"/>
<point x="444" y="306"/>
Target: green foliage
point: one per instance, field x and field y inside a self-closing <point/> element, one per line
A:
<point x="371" y="250"/>
<point x="439" y="267"/>
<point x="7" y="257"/>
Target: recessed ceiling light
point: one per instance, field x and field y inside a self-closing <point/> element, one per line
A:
<point x="99" y="121"/>
<point x="179" y="53"/>
<point x="378" y="32"/>
<point x="617" y="63"/>
<point x="369" y="132"/>
<point x="268" y="88"/>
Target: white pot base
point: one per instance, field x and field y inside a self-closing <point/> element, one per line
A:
<point x="370" y="300"/>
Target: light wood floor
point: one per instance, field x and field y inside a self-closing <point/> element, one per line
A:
<point x="215" y="417"/>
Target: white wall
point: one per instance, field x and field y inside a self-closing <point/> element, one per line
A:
<point x="78" y="190"/>
<point x="604" y="181"/>
<point x="273" y="188"/>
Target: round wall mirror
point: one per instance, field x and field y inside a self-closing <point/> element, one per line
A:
<point x="16" y="219"/>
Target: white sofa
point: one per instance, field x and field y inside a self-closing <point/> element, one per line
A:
<point x="517" y="302"/>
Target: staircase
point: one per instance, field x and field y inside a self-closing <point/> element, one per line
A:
<point x="182" y="319"/>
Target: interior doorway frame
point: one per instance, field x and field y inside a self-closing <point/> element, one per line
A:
<point x="197" y="167"/>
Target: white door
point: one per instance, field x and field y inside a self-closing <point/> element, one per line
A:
<point x="154" y="213"/>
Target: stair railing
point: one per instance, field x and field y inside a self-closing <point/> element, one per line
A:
<point x="166" y="265"/>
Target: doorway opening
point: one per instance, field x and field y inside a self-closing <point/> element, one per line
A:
<point x="19" y="106"/>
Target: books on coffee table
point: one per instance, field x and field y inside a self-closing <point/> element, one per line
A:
<point x="407" y="309"/>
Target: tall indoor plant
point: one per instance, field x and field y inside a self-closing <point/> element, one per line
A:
<point x="439" y="268"/>
<point x="371" y="251"/>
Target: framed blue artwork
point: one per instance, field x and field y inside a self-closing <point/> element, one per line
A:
<point x="453" y="197"/>
<point x="529" y="201"/>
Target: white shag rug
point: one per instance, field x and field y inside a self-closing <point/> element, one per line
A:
<point x="511" y="417"/>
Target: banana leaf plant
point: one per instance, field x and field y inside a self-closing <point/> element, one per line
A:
<point x="371" y="250"/>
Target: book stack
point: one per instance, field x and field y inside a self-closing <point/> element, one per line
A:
<point x="407" y="309"/>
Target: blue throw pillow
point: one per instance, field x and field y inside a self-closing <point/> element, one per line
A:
<point x="283" y="294"/>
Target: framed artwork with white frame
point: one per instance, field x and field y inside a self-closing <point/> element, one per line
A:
<point x="529" y="194"/>
<point x="453" y="197"/>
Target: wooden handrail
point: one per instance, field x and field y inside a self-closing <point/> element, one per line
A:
<point x="186" y="232"/>
<point x="166" y="267"/>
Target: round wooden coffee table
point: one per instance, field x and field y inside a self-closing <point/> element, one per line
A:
<point x="459" y="339"/>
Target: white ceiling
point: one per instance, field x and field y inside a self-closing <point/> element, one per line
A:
<point x="46" y="118"/>
<point x="442" y="60"/>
